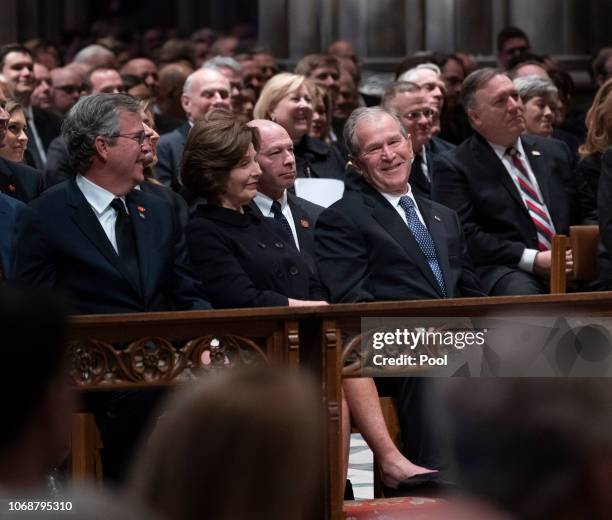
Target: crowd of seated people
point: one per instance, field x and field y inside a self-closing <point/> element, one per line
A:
<point x="162" y="179"/>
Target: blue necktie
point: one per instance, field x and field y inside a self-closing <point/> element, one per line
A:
<point x="423" y="238"/>
<point x="280" y="218"/>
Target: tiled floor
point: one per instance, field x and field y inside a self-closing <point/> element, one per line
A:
<point x="360" y="468"/>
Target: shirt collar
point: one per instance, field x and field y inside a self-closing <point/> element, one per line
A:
<point x="99" y="198"/>
<point x="394" y="199"/>
<point x="500" y="150"/>
<point x="265" y="203"/>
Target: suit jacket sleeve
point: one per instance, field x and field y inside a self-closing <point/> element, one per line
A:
<point x="164" y="170"/>
<point x="32" y="262"/>
<point x="342" y="258"/>
<point x="185" y="290"/>
<point x="224" y="279"/>
<point x="469" y="284"/>
<point x="587" y="179"/>
<point x="604" y="198"/>
<point x="451" y="188"/>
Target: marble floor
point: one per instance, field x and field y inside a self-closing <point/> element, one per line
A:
<point x="360" y="471"/>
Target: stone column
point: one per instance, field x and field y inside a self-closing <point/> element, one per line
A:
<point x="273" y="27"/>
<point x="439" y="25"/>
<point x="8" y="22"/>
<point x="304" y="28"/>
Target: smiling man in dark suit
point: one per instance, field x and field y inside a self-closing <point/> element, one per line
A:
<point x="512" y="191"/>
<point x="295" y="216"/>
<point x="381" y="242"/>
<point x="110" y="247"/>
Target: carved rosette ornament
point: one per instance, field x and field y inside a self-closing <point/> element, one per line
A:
<point x="157" y="360"/>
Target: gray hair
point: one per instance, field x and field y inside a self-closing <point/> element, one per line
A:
<point x="411" y="74"/>
<point x="396" y="88"/>
<point x="188" y="85"/>
<point x="365" y="113"/>
<point x="93" y="116"/>
<point x="222" y="62"/>
<point x="87" y="54"/>
<point x="529" y="87"/>
<point x="474" y="82"/>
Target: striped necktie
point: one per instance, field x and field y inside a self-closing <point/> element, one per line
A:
<point x="536" y="207"/>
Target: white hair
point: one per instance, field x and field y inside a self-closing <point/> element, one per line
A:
<point x="411" y="74"/>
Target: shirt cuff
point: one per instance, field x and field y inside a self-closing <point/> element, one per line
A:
<point x="527" y="260"/>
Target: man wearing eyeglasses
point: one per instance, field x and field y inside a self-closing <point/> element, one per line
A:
<point x="110" y="247"/>
<point x="66" y="89"/>
<point x="411" y="104"/>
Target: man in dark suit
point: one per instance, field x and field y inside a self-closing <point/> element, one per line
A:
<point x="204" y="89"/>
<point x="110" y="247"/>
<point x="383" y="242"/>
<point x="512" y="192"/>
<point x="294" y="215"/>
<point x="11" y="218"/>
<point x="16" y="180"/>
<point x="411" y="104"/>
<point x="17" y="64"/>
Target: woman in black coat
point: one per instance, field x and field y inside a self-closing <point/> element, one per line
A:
<point x="598" y="139"/>
<point x="242" y="259"/>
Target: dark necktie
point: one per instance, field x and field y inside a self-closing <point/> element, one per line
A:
<point x="423" y="238"/>
<point x="280" y="218"/>
<point x="126" y="242"/>
<point x="535" y="206"/>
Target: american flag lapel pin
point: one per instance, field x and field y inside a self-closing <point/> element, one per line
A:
<point x="304" y="223"/>
<point x="141" y="211"/>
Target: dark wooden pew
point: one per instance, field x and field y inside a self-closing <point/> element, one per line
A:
<point x="136" y="350"/>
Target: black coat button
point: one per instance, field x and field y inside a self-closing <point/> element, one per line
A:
<point x="280" y="245"/>
<point x="293" y="270"/>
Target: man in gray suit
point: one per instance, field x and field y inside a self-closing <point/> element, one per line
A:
<point x="204" y="90"/>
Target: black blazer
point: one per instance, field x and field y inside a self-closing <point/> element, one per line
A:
<point x="418" y="181"/>
<point x="588" y="171"/>
<point x="11" y="218"/>
<point x="314" y="158"/>
<point x="63" y="245"/>
<point x="604" y="209"/>
<point x="365" y="252"/>
<point x="169" y="155"/>
<point x="472" y="180"/>
<point x="244" y="260"/>
<point x="20" y="181"/>
<point x="305" y="215"/>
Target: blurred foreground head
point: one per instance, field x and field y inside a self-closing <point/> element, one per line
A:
<point x="35" y="397"/>
<point x="235" y="446"/>
<point x="535" y="448"/>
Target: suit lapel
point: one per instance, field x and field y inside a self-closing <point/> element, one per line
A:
<point x="389" y="219"/>
<point x="487" y="159"/>
<point x="9" y="183"/>
<point x="86" y="221"/>
<point x="142" y="233"/>
<point x="438" y="234"/>
<point x="303" y="226"/>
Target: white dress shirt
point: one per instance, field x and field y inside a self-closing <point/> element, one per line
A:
<point x="394" y="201"/>
<point x="264" y="203"/>
<point x="99" y="199"/>
<point x="528" y="256"/>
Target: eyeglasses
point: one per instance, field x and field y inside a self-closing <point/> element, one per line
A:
<point x="415" y="115"/>
<point x="139" y="137"/>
